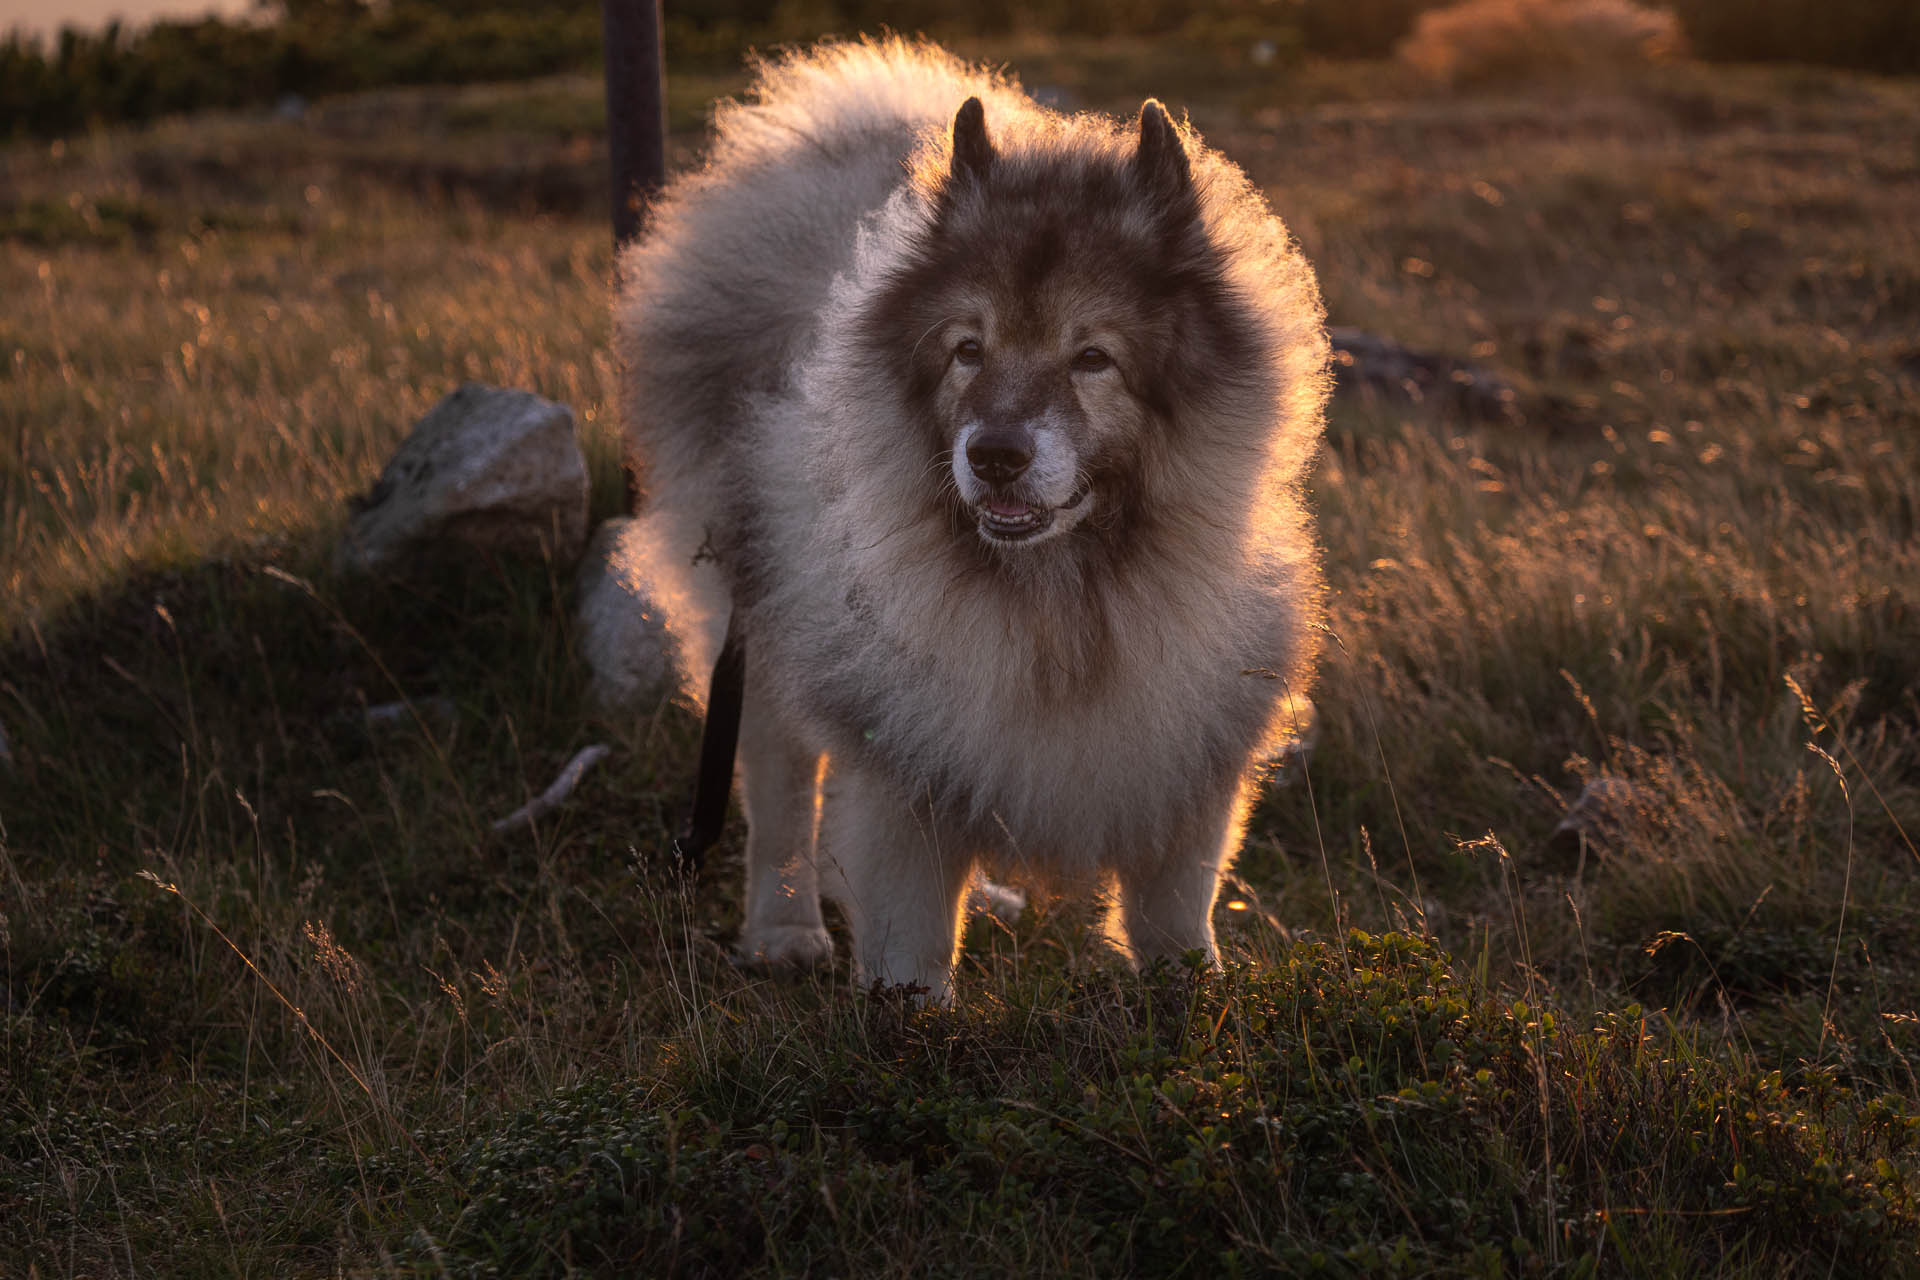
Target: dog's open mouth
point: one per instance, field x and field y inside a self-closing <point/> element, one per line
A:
<point x="1005" y="521"/>
<point x="1011" y="520"/>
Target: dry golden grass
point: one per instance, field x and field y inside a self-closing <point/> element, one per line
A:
<point x="190" y="372"/>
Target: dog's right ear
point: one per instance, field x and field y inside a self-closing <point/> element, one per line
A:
<point x="1160" y="161"/>
<point x="972" y="152"/>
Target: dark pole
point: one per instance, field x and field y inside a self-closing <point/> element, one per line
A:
<point x="636" y="128"/>
<point x="637" y="147"/>
<point x="636" y="108"/>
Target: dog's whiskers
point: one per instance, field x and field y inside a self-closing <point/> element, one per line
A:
<point x="914" y="354"/>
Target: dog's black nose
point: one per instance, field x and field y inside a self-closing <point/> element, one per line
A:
<point x="999" y="457"/>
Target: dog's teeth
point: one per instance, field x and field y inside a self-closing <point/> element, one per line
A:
<point x="1015" y="525"/>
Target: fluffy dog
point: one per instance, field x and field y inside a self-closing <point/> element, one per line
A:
<point x="986" y="427"/>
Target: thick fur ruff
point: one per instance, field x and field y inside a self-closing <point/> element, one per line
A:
<point x="990" y="425"/>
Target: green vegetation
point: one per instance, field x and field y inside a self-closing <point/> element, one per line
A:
<point x="117" y="75"/>
<point x="1354" y="1109"/>
<point x="278" y="1001"/>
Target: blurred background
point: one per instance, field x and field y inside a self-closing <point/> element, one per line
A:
<point x="65" y="65"/>
<point x="1589" y="934"/>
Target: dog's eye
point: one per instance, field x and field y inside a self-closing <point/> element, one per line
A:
<point x="1092" y="360"/>
<point x="967" y="352"/>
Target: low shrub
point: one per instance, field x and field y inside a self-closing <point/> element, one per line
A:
<point x="1487" y="40"/>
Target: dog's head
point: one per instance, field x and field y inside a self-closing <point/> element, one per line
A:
<point x="1063" y="307"/>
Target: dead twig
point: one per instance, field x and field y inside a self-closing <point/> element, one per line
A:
<point x="550" y="799"/>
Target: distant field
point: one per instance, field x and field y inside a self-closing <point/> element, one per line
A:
<point x="1455" y="1044"/>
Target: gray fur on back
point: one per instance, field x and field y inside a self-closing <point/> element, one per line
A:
<point x="722" y="295"/>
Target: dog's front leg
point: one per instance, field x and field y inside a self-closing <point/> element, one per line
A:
<point x="779" y="783"/>
<point x="1166" y="895"/>
<point x="900" y="886"/>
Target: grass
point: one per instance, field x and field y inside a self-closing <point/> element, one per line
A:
<point x="339" y="1025"/>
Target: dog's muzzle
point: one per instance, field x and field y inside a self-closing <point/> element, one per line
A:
<point x="1011" y="474"/>
<point x="1012" y="520"/>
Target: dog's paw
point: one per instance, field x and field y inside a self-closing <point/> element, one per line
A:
<point x="784" y="948"/>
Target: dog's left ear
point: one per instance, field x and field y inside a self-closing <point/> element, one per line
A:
<point x="972" y="152"/>
<point x="1161" y="162"/>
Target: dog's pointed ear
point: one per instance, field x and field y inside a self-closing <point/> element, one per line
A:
<point x="972" y="152"/>
<point x="1161" y="161"/>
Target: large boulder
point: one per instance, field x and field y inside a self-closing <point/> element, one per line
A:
<point x="620" y="632"/>
<point x="490" y="468"/>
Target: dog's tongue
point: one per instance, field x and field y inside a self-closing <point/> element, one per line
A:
<point x="1011" y="510"/>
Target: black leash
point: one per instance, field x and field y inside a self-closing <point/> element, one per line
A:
<point x="719" y="738"/>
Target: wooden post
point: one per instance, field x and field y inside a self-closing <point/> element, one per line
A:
<point x="637" y="147"/>
<point x="636" y="130"/>
<point x="636" y="108"/>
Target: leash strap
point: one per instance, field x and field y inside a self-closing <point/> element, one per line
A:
<point x="719" y="738"/>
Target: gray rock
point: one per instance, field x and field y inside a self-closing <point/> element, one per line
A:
<point x="620" y="633"/>
<point x="494" y="469"/>
<point x="409" y="712"/>
<point x="1372" y="367"/>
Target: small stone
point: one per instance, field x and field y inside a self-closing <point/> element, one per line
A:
<point x="1378" y="368"/>
<point x="1598" y="811"/>
<point x="1001" y="901"/>
<point x="411" y="711"/>
<point x="489" y="468"/>
<point x="1295" y="756"/>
